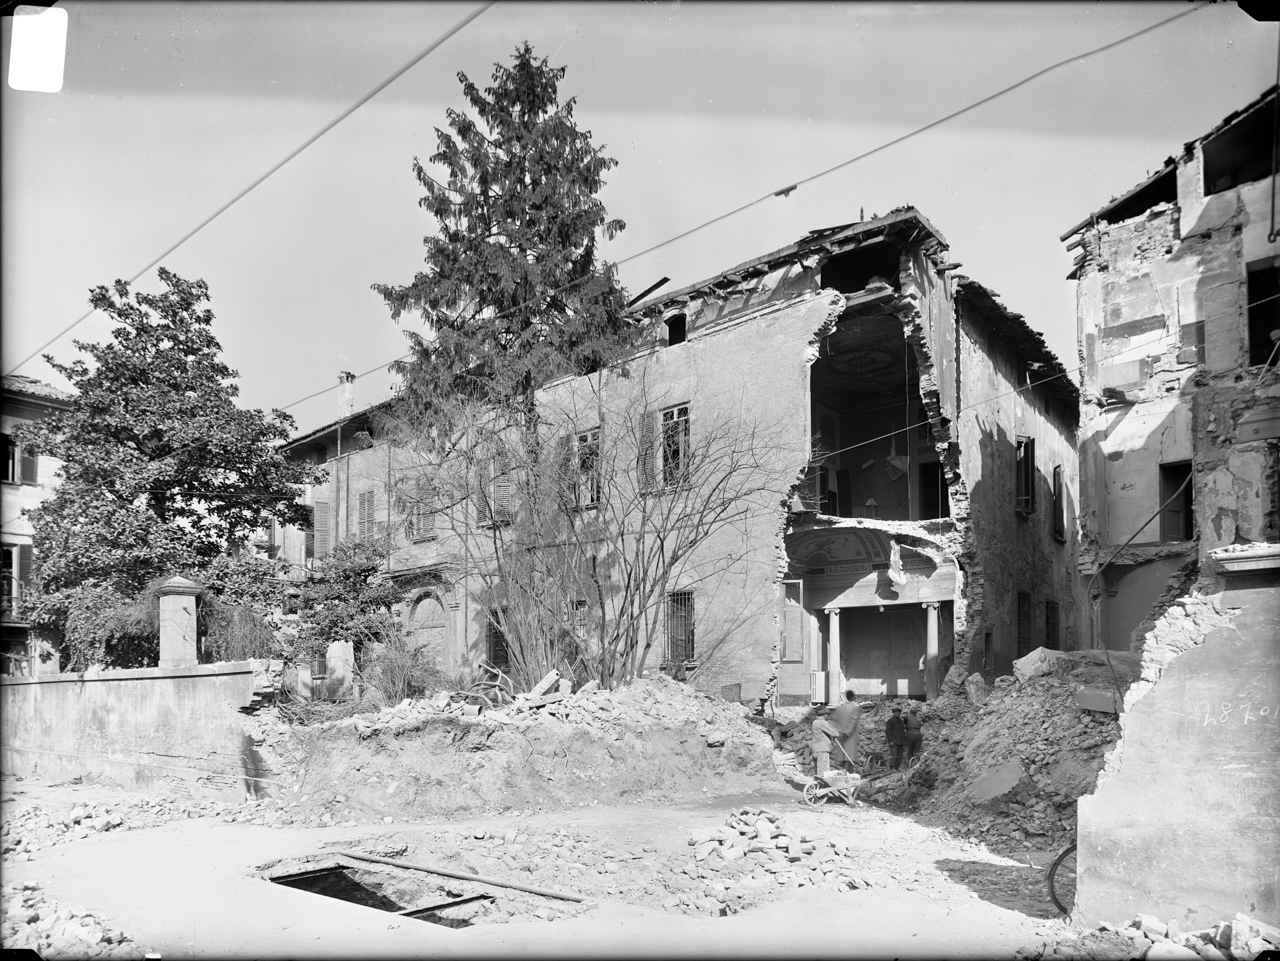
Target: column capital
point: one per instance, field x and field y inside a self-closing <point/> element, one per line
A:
<point x="831" y="610"/>
<point x="932" y="605"/>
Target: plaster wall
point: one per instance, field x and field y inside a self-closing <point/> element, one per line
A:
<point x="150" y="728"/>
<point x="1017" y="553"/>
<point x="1205" y="742"/>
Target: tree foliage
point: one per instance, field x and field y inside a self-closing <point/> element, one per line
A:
<point x="513" y="293"/>
<point x="161" y="472"/>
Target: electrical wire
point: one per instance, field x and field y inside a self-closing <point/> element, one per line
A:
<point x="783" y="192"/>
<point x="307" y="143"/>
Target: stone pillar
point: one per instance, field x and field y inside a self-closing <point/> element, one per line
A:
<point x="834" y="694"/>
<point x="931" y="651"/>
<point x="178" y="622"/>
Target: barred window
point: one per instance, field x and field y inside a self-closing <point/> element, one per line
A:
<point x="680" y="647"/>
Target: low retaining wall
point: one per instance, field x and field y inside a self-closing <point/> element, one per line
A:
<point x="1188" y="827"/>
<point x="171" y="727"/>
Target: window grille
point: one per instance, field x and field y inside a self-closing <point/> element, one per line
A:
<point x="675" y="446"/>
<point x="587" y="468"/>
<point x="1024" y="623"/>
<point x="680" y="647"/>
<point x="496" y="648"/>
<point x="1051" y="636"/>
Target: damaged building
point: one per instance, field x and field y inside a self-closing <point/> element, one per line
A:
<point x="909" y="515"/>
<point x="1178" y="289"/>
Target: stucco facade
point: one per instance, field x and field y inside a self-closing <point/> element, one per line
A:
<point x="28" y="478"/>
<point x="912" y="506"/>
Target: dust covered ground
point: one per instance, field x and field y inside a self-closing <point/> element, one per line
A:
<point x="171" y="884"/>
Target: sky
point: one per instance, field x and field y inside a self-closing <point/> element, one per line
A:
<point x="167" y="111"/>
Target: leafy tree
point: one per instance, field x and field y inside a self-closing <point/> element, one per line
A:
<point x="513" y="294"/>
<point x="162" y="472"/>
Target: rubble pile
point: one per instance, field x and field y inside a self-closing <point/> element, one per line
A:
<point x="647" y="701"/>
<point x="39" y="923"/>
<point x="28" y="830"/>
<point x="759" y="845"/>
<point x="1008" y="765"/>
<point x="1242" y="939"/>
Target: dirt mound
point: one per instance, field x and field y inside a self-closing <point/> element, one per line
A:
<point x="653" y="738"/>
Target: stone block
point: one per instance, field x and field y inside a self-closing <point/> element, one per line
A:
<point x="1096" y="699"/>
<point x="1169" y="951"/>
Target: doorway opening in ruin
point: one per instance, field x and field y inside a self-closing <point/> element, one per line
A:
<point x="882" y="649"/>
<point x="873" y="452"/>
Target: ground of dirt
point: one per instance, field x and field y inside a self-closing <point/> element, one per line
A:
<point x="625" y="858"/>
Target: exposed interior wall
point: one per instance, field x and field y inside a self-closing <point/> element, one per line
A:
<point x="176" y="728"/>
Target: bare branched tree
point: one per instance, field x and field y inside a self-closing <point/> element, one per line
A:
<point x="575" y="539"/>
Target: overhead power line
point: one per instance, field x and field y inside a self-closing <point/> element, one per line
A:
<point x="786" y="191"/>
<point x="247" y="190"/>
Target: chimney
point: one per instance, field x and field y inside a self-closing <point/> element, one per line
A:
<point x="348" y="400"/>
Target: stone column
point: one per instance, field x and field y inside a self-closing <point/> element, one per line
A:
<point x="834" y="695"/>
<point x="931" y="651"/>
<point x="178" y="622"/>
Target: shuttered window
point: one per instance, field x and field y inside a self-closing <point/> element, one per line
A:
<point x="647" y="452"/>
<point x="320" y="529"/>
<point x="366" y="517"/>
<point x="420" y="525"/>
<point x="30" y="467"/>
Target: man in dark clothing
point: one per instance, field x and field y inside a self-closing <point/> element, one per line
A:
<point x="915" y="737"/>
<point x="895" y="732"/>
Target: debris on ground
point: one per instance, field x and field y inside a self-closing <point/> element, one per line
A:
<point x="654" y="737"/>
<point x="1242" y="939"/>
<point x="35" y="921"/>
<point x="28" y="830"/>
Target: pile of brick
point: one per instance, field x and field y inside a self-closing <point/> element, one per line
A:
<point x="767" y="845"/>
<point x="28" y="830"/>
<point x="1242" y="939"/>
<point x="35" y="922"/>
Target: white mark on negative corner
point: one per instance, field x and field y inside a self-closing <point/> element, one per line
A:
<point x="38" y="49"/>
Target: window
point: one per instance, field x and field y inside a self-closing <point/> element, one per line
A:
<point x="1025" y="489"/>
<point x="420" y="524"/>
<point x="792" y="622"/>
<point x="587" y="468"/>
<point x="1241" y="153"/>
<point x="20" y="466"/>
<point x="1264" y="312"/>
<point x="366" y="522"/>
<point x="495" y="493"/>
<point x="1051" y="636"/>
<point x="15" y="577"/>
<point x="680" y="627"/>
<point x="1177" y="519"/>
<point x="318" y="539"/>
<point x="322" y="454"/>
<point x="924" y="431"/>
<point x="579" y="616"/>
<point x="497" y="651"/>
<point x="676" y="330"/>
<point x="988" y="653"/>
<point x="1059" y="507"/>
<point x="934" y="501"/>
<point x="1024" y="623"/>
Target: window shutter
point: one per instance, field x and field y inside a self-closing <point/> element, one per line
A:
<point x="320" y="529"/>
<point x="503" y="491"/>
<point x="24" y="564"/>
<point x="648" y="445"/>
<point x="30" y="467"/>
<point x="365" y="513"/>
<point x="1025" y="492"/>
<point x="484" y="513"/>
<point x="1059" y="506"/>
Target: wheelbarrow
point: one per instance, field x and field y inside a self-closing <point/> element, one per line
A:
<point x="842" y="784"/>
